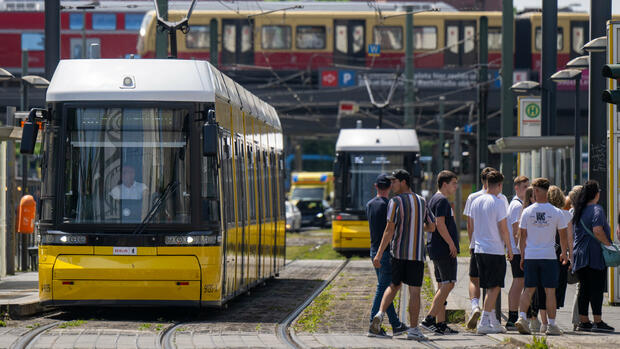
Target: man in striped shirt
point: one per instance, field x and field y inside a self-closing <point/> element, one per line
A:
<point x="407" y="219"/>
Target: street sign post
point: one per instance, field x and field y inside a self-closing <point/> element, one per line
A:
<point x="530" y="117"/>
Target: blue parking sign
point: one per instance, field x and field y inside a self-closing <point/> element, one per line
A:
<point x="346" y="78"/>
<point x="374" y="50"/>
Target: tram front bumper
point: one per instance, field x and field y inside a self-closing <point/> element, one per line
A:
<point x="119" y="280"/>
<point x="350" y="235"/>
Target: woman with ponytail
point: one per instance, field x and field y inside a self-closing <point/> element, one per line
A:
<point x="589" y="264"/>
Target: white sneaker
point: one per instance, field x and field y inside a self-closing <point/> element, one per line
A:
<point x="414" y="333"/>
<point x="473" y="318"/>
<point x="553" y="330"/>
<point x="485" y="328"/>
<point x="498" y="328"/>
<point x="535" y="325"/>
<point x="375" y="325"/>
<point x="543" y="328"/>
<point x="523" y="326"/>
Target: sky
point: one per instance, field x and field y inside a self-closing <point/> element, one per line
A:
<point x="580" y="5"/>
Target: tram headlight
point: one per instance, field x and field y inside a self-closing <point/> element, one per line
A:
<point x="201" y="238"/>
<point x="55" y="237"/>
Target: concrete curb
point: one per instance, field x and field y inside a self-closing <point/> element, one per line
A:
<point x="23" y="307"/>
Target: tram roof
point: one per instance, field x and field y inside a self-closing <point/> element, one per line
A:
<point x="371" y="139"/>
<point x="158" y="80"/>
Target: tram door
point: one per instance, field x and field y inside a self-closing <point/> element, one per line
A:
<point x="460" y="43"/>
<point x="579" y="36"/>
<point x="238" y="41"/>
<point x="349" y="42"/>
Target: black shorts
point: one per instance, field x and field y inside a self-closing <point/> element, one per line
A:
<point x="492" y="269"/>
<point x="515" y="265"/>
<point x="409" y="272"/>
<point x="541" y="272"/>
<point x="445" y="270"/>
<point x="473" y="265"/>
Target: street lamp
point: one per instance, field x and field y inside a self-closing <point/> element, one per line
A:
<point x="581" y="62"/>
<point x="596" y="45"/>
<point x="567" y="75"/>
<point x="36" y="81"/>
<point x="5" y="75"/>
<point x="523" y="87"/>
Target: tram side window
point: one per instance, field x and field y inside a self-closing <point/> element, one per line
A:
<point x="389" y="37"/>
<point x="276" y="37"/>
<point x="538" y="39"/>
<point x="240" y="177"/>
<point x="227" y="175"/>
<point x="251" y="186"/>
<point x="495" y="39"/>
<point x="310" y="37"/>
<point x="282" y="209"/>
<point x="274" y="190"/>
<point x="210" y="207"/>
<point x="198" y="37"/>
<point x="265" y="185"/>
<point x="48" y="172"/>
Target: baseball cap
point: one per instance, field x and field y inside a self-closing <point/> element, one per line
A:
<point x="401" y="175"/>
<point x="384" y="180"/>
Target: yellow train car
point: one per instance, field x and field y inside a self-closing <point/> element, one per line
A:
<point x="162" y="185"/>
<point x="361" y="155"/>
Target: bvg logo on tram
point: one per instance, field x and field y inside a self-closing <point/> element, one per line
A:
<point x="125" y="251"/>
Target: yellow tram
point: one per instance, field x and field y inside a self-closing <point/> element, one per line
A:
<point x="361" y="155"/>
<point x="162" y="185"/>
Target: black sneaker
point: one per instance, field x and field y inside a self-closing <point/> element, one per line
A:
<point x="585" y="326"/>
<point x="443" y="328"/>
<point x="380" y="334"/>
<point x="429" y="324"/>
<point x="402" y="328"/>
<point x="510" y="326"/>
<point x="601" y="327"/>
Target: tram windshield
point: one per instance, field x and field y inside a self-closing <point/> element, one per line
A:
<point x="364" y="169"/>
<point x="124" y="164"/>
<point x="306" y="194"/>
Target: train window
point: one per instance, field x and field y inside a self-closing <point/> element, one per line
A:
<point x="452" y="41"/>
<point x="538" y="41"/>
<point x="470" y="38"/>
<point x="198" y="37"/>
<point x="358" y="38"/>
<point x="210" y="206"/>
<point x="390" y="38"/>
<point x="133" y="21"/>
<point x="121" y="161"/>
<point x="425" y="38"/>
<point x="246" y="38"/>
<point x="104" y="21"/>
<point x="230" y="37"/>
<point x="310" y="37"/>
<point x="341" y="38"/>
<point x="33" y="42"/>
<point x="76" y="47"/>
<point x="76" y="21"/>
<point x="495" y="39"/>
<point x="577" y="41"/>
<point x="274" y="37"/>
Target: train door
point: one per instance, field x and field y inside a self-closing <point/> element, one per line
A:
<point x="238" y="41"/>
<point x="349" y="42"/>
<point x="460" y="43"/>
<point x="241" y="212"/>
<point x="579" y="36"/>
<point x="229" y="214"/>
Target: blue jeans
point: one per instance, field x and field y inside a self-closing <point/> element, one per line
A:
<point x="384" y="277"/>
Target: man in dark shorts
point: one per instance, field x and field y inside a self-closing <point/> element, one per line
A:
<point x="514" y="213"/>
<point x="489" y="217"/>
<point x="443" y="246"/>
<point x="539" y="223"/>
<point x="376" y="211"/>
<point x="407" y="219"/>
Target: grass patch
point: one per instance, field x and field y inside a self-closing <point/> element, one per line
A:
<point x="428" y="291"/>
<point x="35" y="325"/>
<point x="455" y="316"/>
<point x="258" y="327"/>
<point x="464" y="244"/>
<point x="72" y="323"/>
<point x="145" y="327"/>
<point x="2" y="323"/>
<point x="324" y="251"/>
<point x="159" y="327"/>
<point x="312" y="316"/>
<point x="538" y="343"/>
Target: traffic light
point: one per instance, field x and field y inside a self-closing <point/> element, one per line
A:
<point x="611" y="71"/>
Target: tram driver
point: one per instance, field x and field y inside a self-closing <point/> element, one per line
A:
<point x="131" y="192"/>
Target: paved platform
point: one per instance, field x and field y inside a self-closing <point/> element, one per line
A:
<point x="19" y="295"/>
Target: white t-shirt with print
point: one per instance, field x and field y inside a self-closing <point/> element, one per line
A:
<point x="541" y="222"/>
<point x="487" y="211"/>
<point x="514" y="213"/>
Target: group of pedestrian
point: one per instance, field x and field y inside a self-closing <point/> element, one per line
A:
<point x="544" y="235"/>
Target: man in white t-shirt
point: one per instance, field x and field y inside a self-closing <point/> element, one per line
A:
<point x="538" y="225"/>
<point x="128" y="189"/>
<point x="489" y="217"/>
<point x="474" y="279"/>
<point x="514" y="214"/>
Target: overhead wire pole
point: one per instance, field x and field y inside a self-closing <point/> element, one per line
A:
<point x="161" y="39"/>
<point x="507" y="166"/>
<point x="549" y="65"/>
<point x="409" y="66"/>
<point x="483" y="76"/>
